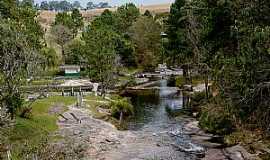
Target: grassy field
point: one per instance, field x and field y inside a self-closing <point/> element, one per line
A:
<point x="30" y="134"/>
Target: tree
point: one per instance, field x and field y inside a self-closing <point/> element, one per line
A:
<point x="54" y="5"/>
<point x="26" y="18"/>
<point x="20" y="44"/>
<point x="103" y="5"/>
<point x="77" y="21"/>
<point x="230" y="40"/>
<point x="73" y="21"/>
<point x="90" y="5"/>
<point x="63" y="18"/>
<point x="62" y="35"/>
<point x="75" y="52"/>
<point x="50" y="57"/>
<point x="126" y="15"/>
<point x="64" y="6"/>
<point x="107" y="19"/>
<point x="76" y="5"/>
<point x="44" y="5"/>
<point x="27" y="3"/>
<point x="100" y="52"/>
<point x="125" y="48"/>
<point x="7" y="8"/>
<point x="148" y="13"/>
<point x="177" y="47"/>
<point x="17" y="60"/>
<point x="145" y="33"/>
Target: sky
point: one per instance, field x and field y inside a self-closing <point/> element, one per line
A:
<point x="119" y="2"/>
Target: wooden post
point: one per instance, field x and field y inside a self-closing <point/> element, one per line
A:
<point x="8" y="155"/>
<point x="72" y="91"/>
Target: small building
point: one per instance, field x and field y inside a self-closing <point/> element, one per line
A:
<point x="71" y="70"/>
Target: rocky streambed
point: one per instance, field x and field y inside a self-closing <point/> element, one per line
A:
<point x="152" y="134"/>
<point x="90" y="138"/>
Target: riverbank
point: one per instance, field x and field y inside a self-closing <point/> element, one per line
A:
<point x="97" y="139"/>
<point x="85" y="132"/>
<point x="90" y="138"/>
<point x="232" y="142"/>
<point x="216" y="149"/>
<point x="28" y="136"/>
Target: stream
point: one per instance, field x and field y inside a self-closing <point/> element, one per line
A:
<point x="153" y="121"/>
<point x="152" y="133"/>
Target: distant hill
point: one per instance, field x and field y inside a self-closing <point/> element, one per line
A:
<point x="47" y="17"/>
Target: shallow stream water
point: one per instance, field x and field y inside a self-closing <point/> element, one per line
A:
<point x="153" y="119"/>
<point x="153" y="134"/>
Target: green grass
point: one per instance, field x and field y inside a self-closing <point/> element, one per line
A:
<point x="180" y="80"/>
<point x="131" y="70"/>
<point x="93" y="102"/>
<point x="29" y="134"/>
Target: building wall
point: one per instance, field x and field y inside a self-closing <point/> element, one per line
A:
<point x="71" y="71"/>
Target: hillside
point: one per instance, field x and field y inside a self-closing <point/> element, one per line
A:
<point x="47" y="17"/>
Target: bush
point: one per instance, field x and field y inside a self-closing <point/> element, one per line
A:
<point x="198" y="99"/>
<point x="179" y="81"/>
<point x="214" y="119"/>
<point x="121" y="105"/>
<point x="26" y="112"/>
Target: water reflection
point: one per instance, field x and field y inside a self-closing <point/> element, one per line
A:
<point x="153" y="115"/>
<point x="151" y="107"/>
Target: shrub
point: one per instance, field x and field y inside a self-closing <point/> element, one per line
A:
<point x="26" y="112"/>
<point x="216" y="120"/>
<point x="198" y="99"/>
<point x="121" y="105"/>
<point x="179" y="81"/>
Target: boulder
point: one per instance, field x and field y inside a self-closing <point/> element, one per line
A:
<point x="238" y="153"/>
<point x="214" y="154"/>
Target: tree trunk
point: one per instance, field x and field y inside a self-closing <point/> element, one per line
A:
<point x="189" y="74"/>
<point x="103" y="90"/>
<point x="63" y="54"/>
<point x="185" y="74"/>
<point x="206" y="86"/>
<point x="121" y="117"/>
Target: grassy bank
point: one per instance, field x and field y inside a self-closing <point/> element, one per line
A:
<point x="28" y="135"/>
<point x="109" y="110"/>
